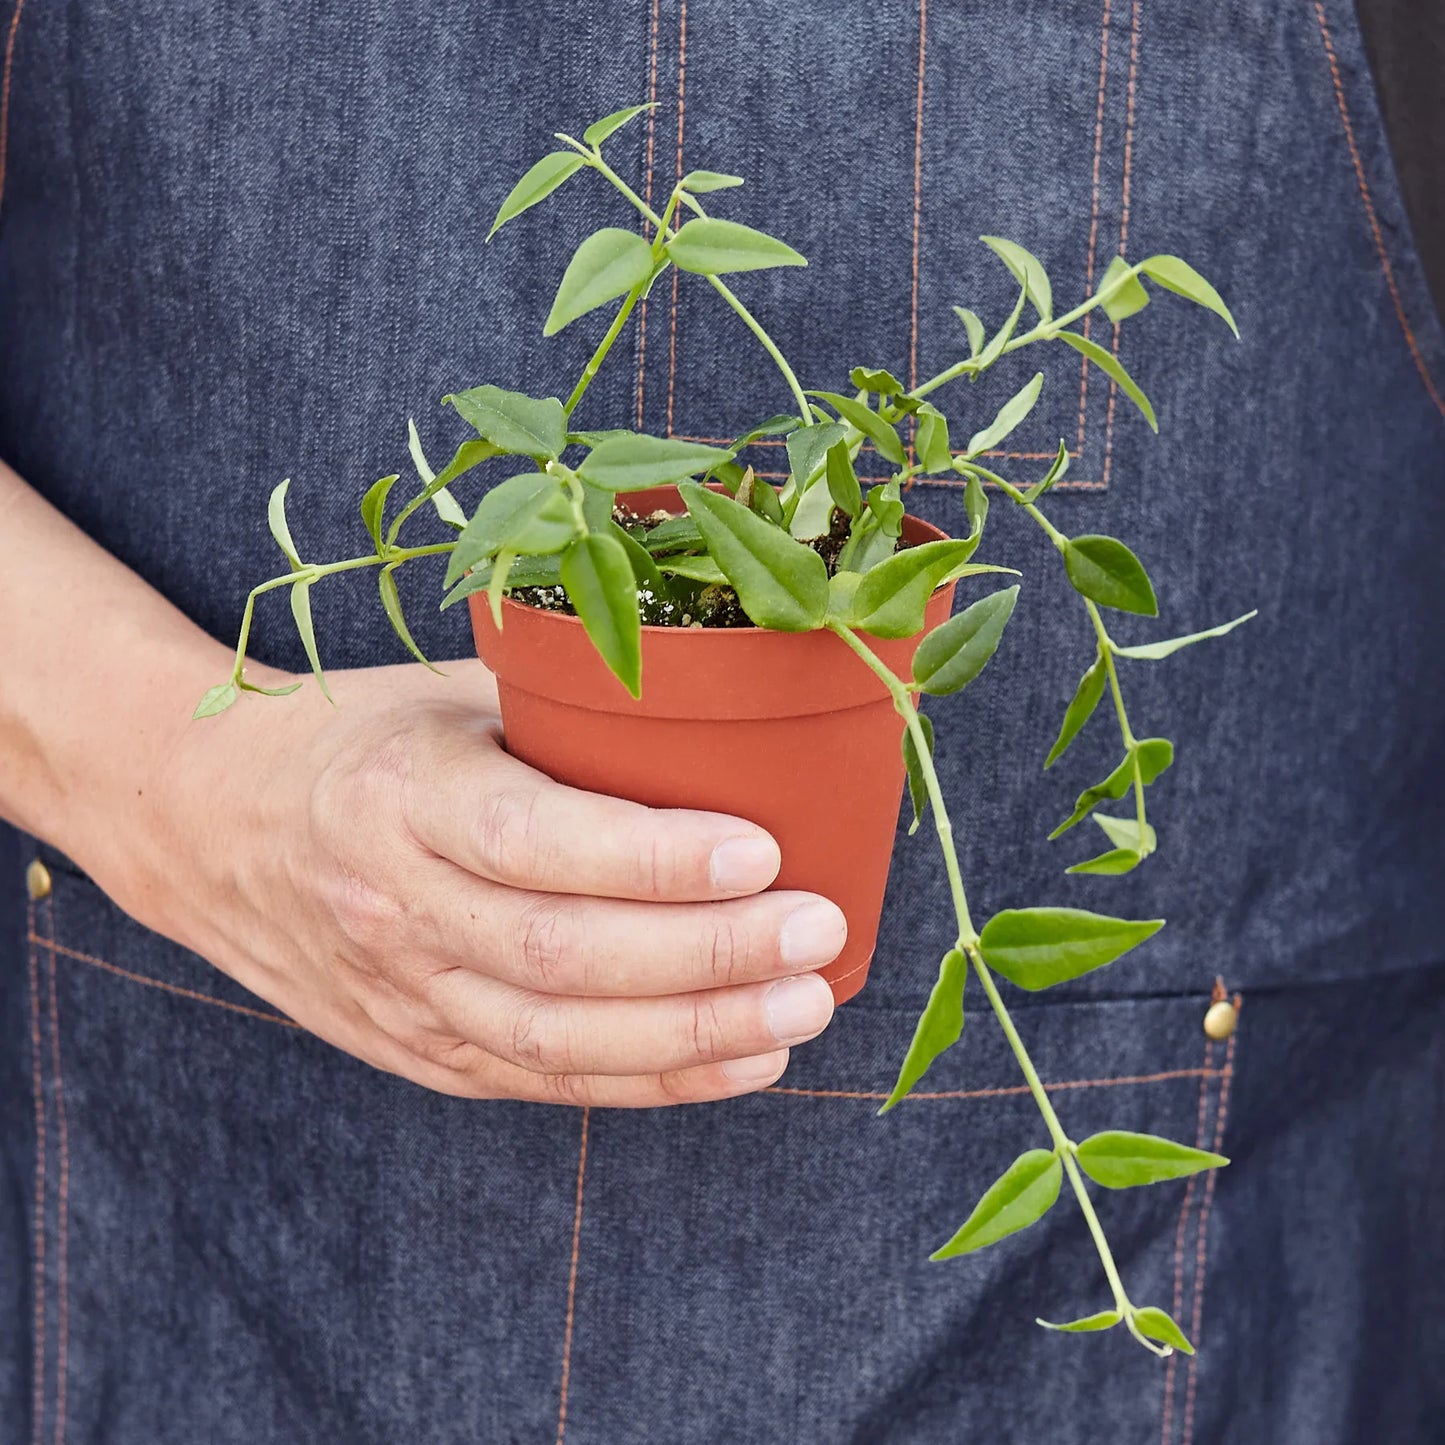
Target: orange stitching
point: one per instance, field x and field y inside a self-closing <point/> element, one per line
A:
<point x="681" y="92"/>
<point x="647" y="196"/>
<point x="1366" y="197"/>
<point x="1166" y="1429"/>
<point x="917" y="195"/>
<point x="270" y="1018"/>
<point x="1094" y="210"/>
<point x="1201" y="1254"/>
<point x="572" y="1279"/>
<point x="999" y="1093"/>
<point x="62" y="1247"/>
<point x="38" y="1088"/>
<point x="5" y="93"/>
<point x="1123" y="219"/>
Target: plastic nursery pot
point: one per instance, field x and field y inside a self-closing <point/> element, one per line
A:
<point x="788" y="730"/>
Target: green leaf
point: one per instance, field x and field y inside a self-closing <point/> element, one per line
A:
<point x="1124" y="833"/>
<point x="808" y="447"/>
<point x="973" y="326"/>
<point x="1113" y="368"/>
<point x="994" y="349"/>
<point x="1055" y="473"/>
<point x="599" y="130"/>
<point x="1181" y="278"/>
<point x="917" y="785"/>
<point x="1027" y="271"/>
<point x="843" y="480"/>
<point x="276" y="516"/>
<point x="1115" y="861"/>
<point x="608" y="264"/>
<point x="1121" y="293"/>
<point x="448" y="509"/>
<point x="711" y="247"/>
<point x="975" y="507"/>
<point x="536" y="185"/>
<point x="695" y="569"/>
<point x="1010" y="415"/>
<point x="522" y="572"/>
<point x="1021" y="1196"/>
<point x="301" y="611"/>
<point x="1085" y="700"/>
<point x="780" y="583"/>
<point x="636" y="461"/>
<point x="446" y="504"/>
<point x="876" y="379"/>
<point x="778" y="425"/>
<point x="892" y="596"/>
<point x="677" y="534"/>
<point x="1106" y="571"/>
<point x="373" y="508"/>
<point x="934" y="452"/>
<point x="600" y="585"/>
<point x="529" y="513"/>
<point x="812" y="513"/>
<point x="214" y="700"/>
<point x="1036" y="948"/>
<point x="952" y="655"/>
<point x="886" y="504"/>
<point x="1119" y="1160"/>
<point x="268" y="691"/>
<point x="765" y="502"/>
<point x="878" y="431"/>
<point x="644" y="570"/>
<point x="525" y="425"/>
<point x="470" y="454"/>
<point x="1104" y="1320"/>
<point x="1153" y="651"/>
<point x="701" y="182"/>
<point x="940" y="1026"/>
<point x="1155" y="755"/>
<point x="391" y="604"/>
<point x="1158" y="1326"/>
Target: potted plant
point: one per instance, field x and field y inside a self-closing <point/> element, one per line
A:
<point x="667" y="625"/>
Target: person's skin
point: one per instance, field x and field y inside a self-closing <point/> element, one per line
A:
<point x="383" y="871"/>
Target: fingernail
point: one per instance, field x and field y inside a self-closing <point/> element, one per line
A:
<point x="744" y="865"/>
<point x="761" y="1069"/>
<point x="798" y="1008"/>
<point x="813" y="934"/>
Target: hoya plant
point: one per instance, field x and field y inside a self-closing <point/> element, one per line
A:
<point x="815" y="553"/>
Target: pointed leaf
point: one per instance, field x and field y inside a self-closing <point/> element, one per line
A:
<point x="953" y="654"/>
<point x="276" y="516"/>
<point x="813" y="513"/>
<point x="1180" y="277"/>
<point x="695" y="569"/>
<point x="1158" y="1326"/>
<point x="391" y="604"/>
<point x="973" y="326"/>
<point x="867" y="378"/>
<point x="1027" y="271"/>
<point x="1036" y="948"/>
<point x="1124" y="833"/>
<point x="529" y="513"/>
<point x="934" y="452"/>
<point x="1021" y="1197"/>
<point x="886" y="504"/>
<point x="1153" y="651"/>
<point x="301" y="611"/>
<point x="994" y="349"/>
<point x="521" y="572"/>
<point x="636" y="461"/>
<point x="843" y="480"/>
<point x="644" y="569"/>
<point x="608" y="264"/>
<point x="878" y="431"/>
<point x="1104" y="1320"/>
<point x="1106" y="571"/>
<point x="780" y="583"/>
<point x="215" y="699"/>
<point x="536" y="185"/>
<point x="1055" y="473"/>
<point x="764" y="501"/>
<point x="526" y="425"/>
<point x="1121" y="293"/>
<point x="599" y="130"/>
<point x="701" y="182"/>
<point x="917" y="785"/>
<point x="778" y="425"/>
<point x="892" y="596"/>
<point x="600" y="585"/>
<point x="373" y="508"/>
<point x="1010" y="415"/>
<point x="677" y="534"/>
<point x="1155" y="755"/>
<point x="1110" y="864"/>
<point x="1113" y="368"/>
<point x="808" y="447"/>
<point x="1120" y="1160"/>
<point x="712" y="247"/>
<point x="1086" y="699"/>
<point x="939" y="1027"/>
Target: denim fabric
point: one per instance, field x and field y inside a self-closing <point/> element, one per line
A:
<point x="243" y="242"/>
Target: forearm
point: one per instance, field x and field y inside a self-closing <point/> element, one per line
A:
<point x="98" y="677"/>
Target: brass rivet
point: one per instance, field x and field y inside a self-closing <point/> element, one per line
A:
<point x="37" y="880"/>
<point x="1219" y="1022"/>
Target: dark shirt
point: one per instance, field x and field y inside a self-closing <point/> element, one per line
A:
<point x="1405" y="40"/>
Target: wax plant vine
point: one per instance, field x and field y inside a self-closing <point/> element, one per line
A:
<point x="552" y="531"/>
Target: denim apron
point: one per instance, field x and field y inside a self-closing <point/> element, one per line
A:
<point x="244" y="241"/>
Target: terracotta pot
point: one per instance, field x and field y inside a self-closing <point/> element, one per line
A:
<point x="788" y="730"/>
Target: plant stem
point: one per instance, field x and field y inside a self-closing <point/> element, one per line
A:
<point x="968" y="941"/>
<point x="604" y="346"/>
